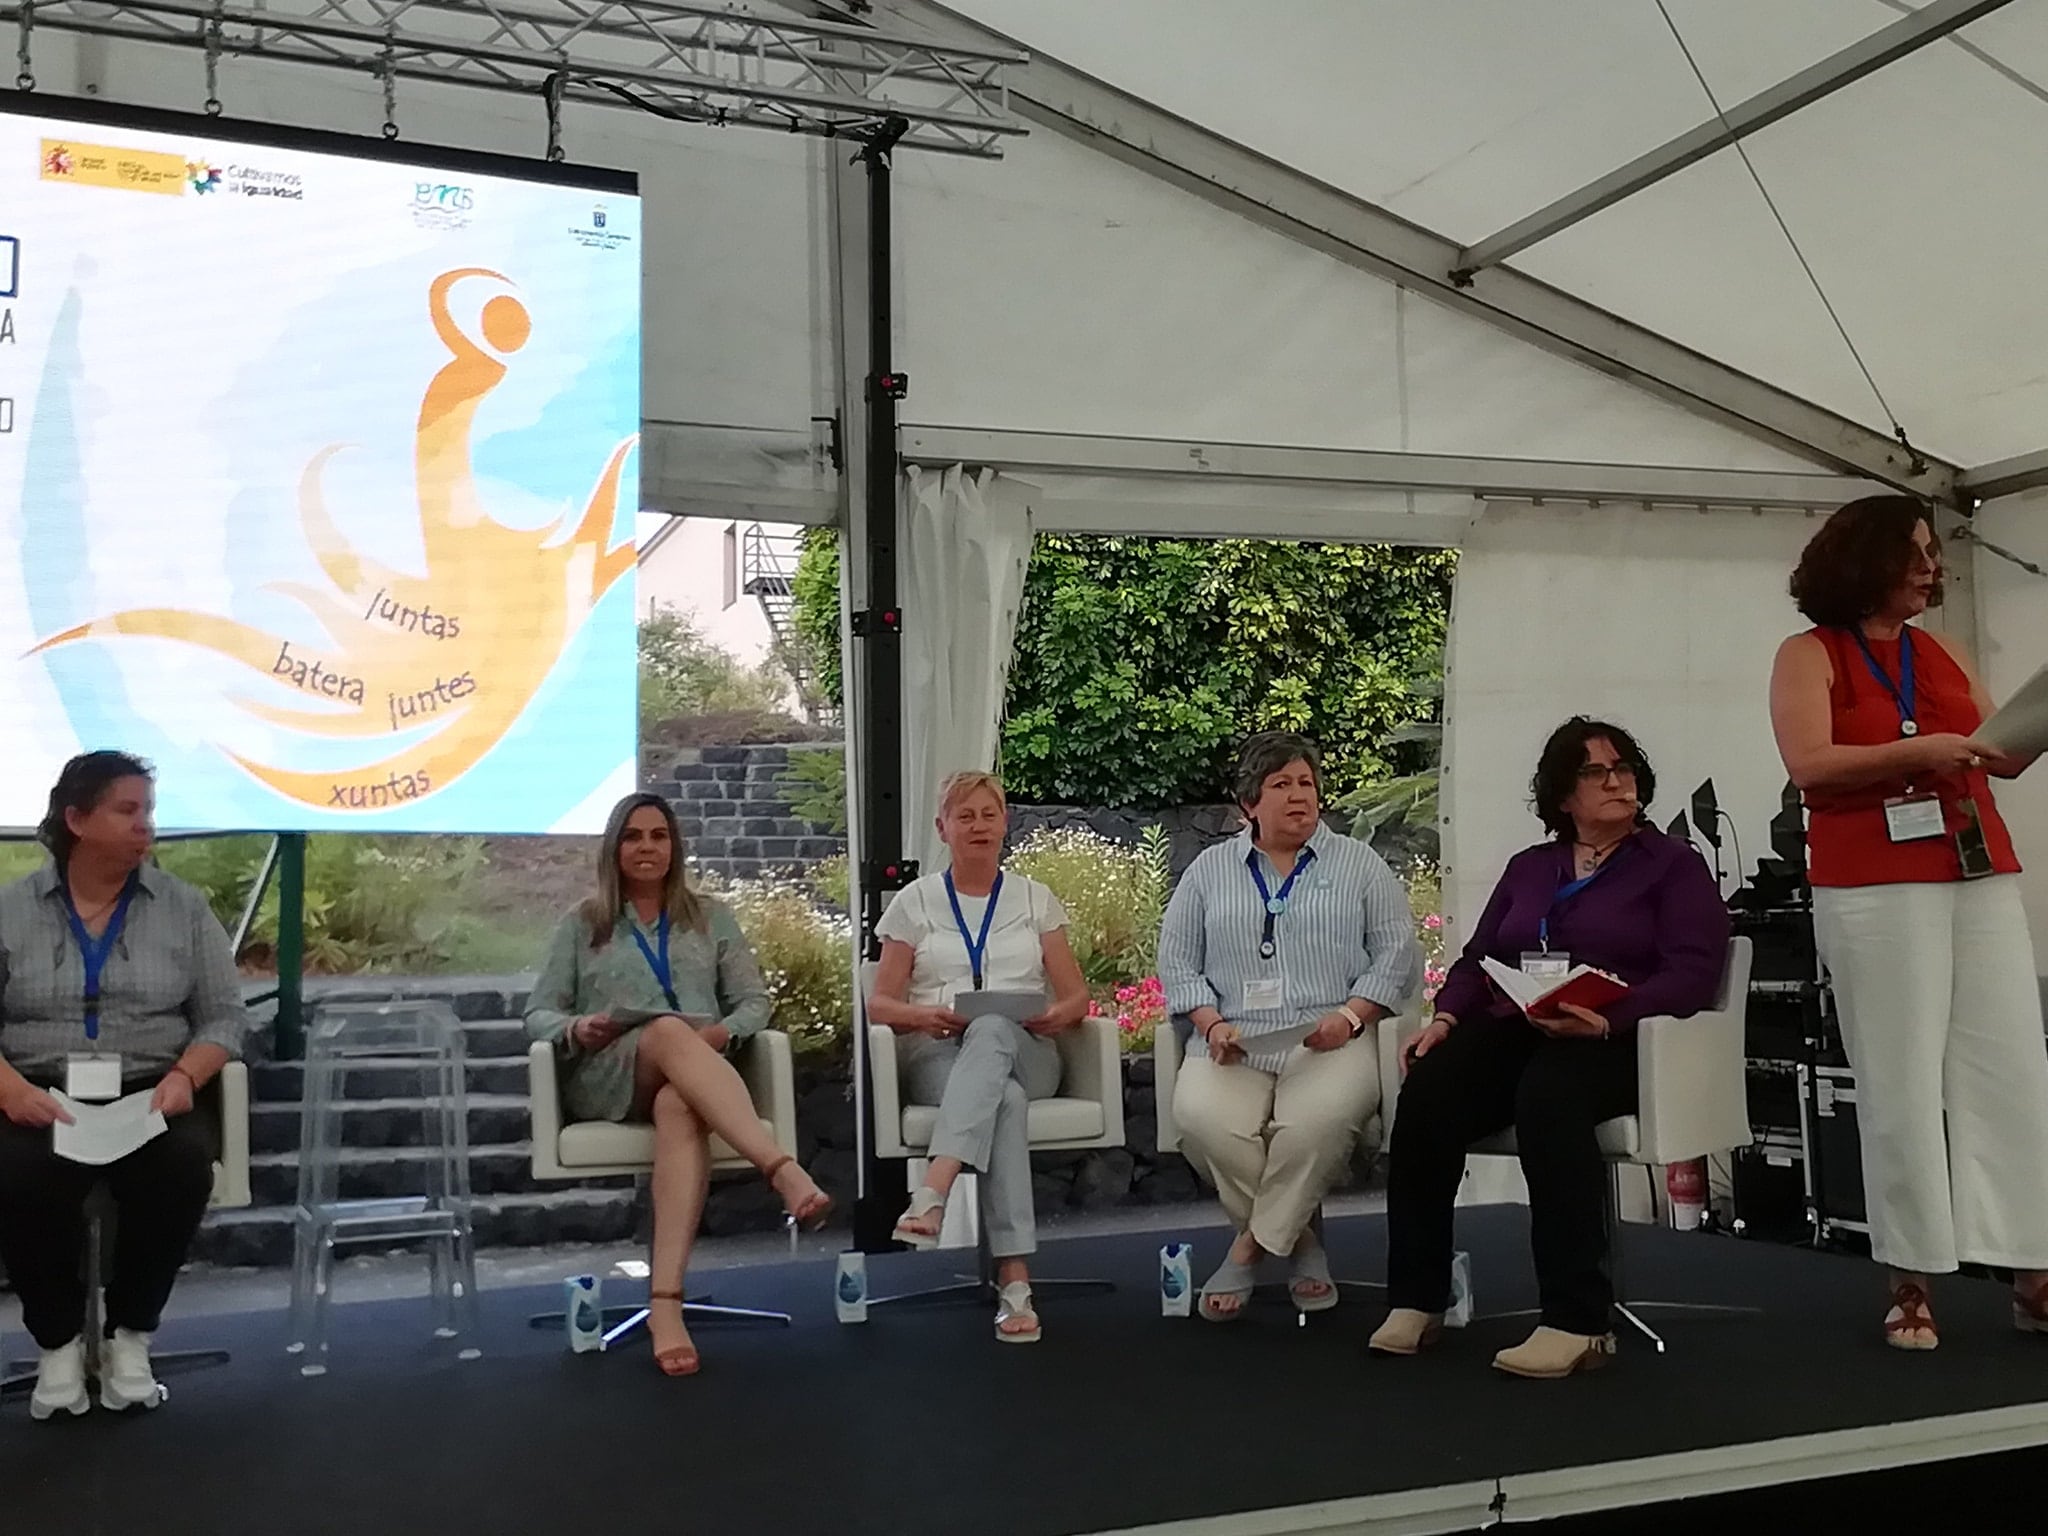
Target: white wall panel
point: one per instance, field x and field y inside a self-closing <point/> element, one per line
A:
<point x="2012" y="616"/>
<point x="1664" y="624"/>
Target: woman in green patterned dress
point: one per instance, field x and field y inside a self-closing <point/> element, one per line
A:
<point x="649" y="987"/>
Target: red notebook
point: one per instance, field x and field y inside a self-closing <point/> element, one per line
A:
<point x="1543" y="997"/>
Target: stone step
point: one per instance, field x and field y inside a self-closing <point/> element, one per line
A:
<point x="262" y="1236"/>
<point x="284" y="1082"/>
<point x="494" y="1119"/>
<point x="369" y="1173"/>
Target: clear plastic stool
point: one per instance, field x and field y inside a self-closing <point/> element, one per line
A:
<point x="422" y="1038"/>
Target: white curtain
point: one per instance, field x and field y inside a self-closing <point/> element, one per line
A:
<point x="2012" y="619"/>
<point x="966" y="542"/>
<point x="1664" y="621"/>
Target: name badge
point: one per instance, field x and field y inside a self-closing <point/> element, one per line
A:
<point x="1545" y="966"/>
<point x="1264" y="994"/>
<point x="92" y="1079"/>
<point x="1910" y="818"/>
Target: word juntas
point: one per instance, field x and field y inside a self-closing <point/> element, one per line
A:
<point x="418" y="621"/>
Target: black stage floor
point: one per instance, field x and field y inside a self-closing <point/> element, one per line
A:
<point x="918" y="1423"/>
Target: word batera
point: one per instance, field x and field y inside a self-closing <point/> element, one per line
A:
<point x="312" y="677"/>
<point x="428" y="701"/>
<point x="418" y="621"/>
<point x="394" y="790"/>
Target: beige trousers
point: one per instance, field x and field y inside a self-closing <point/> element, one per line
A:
<point x="1274" y="1142"/>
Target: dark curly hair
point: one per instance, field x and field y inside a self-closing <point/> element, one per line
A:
<point x="1265" y="754"/>
<point x="1859" y="558"/>
<point x="80" y="787"/>
<point x="1557" y="771"/>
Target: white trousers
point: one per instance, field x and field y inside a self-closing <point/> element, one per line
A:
<point x="1274" y="1143"/>
<point x="1941" y="1016"/>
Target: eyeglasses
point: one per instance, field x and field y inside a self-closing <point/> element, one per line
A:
<point x="1596" y="773"/>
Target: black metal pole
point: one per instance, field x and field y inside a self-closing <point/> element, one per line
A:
<point x="878" y="647"/>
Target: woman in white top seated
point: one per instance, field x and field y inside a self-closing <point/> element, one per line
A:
<point x="974" y="929"/>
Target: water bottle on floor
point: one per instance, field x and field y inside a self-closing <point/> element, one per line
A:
<point x="1460" y="1312"/>
<point x="582" y="1298"/>
<point x="850" y="1288"/>
<point x="1176" y="1281"/>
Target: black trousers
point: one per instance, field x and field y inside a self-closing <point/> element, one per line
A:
<point x="160" y="1194"/>
<point x="1486" y="1075"/>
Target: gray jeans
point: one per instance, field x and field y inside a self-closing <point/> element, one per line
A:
<point x="983" y="1083"/>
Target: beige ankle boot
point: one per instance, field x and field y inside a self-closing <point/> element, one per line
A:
<point x="1551" y="1354"/>
<point x="1406" y="1332"/>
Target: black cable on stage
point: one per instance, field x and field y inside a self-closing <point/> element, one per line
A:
<point x="1735" y="142"/>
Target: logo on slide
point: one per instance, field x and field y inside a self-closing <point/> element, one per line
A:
<point x="10" y="267"/>
<point x="57" y="161"/>
<point x="204" y="178"/>
<point x="442" y="204"/>
<point x="429" y="669"/>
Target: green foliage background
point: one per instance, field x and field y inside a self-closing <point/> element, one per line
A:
<point x="1142" y="662"/>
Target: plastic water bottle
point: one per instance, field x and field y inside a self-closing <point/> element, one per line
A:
<point x="1460" y="1312"/>
<point x="850" y="1288"/>
<point x="1176" y="1281"/>
<point x="582" y="1306"/>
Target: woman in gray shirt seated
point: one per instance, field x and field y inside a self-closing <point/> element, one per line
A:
<point x="1284" y="947"/>
<point x="648" y="987"/>
<point x="115" y="978"/>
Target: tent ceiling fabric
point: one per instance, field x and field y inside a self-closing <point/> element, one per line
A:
<point x="1910" y="189"/>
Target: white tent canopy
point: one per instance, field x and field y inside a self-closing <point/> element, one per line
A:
<point x="1212" y="293"/>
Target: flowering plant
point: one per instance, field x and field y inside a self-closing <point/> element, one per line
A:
<point x="1426" y="900"/>
<point x="1139" y="1008"/>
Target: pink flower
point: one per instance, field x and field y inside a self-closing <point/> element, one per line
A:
<point x="1094" y="1009"/>
<point x="1126" y="994"/>
<point x="1434" y="975"/>
<point x="1433" y="922"/>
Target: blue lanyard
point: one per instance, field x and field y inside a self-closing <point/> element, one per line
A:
<point x="976" y="948"/>
<point x="1902" y="690"/>
<point x="1564" y="894"/>
<point x="93" y="952"/>
<point x="658" y="963"/>
<point x="1275" y="905"/>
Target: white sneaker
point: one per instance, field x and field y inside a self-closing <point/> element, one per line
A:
<point x="125" y="1377"/>
<point x="60" y="1382"/>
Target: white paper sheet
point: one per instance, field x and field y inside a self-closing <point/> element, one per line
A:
<point x="2021" y="727"/>
<point x="105" y="1133"/>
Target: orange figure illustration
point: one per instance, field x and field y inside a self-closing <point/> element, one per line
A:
<point x="439" y="665"/>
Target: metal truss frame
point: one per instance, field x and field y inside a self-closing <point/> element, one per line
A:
<point x="1364" y="235"/>
<point x="1912" y="32"/>
<point x="689" y="62"/>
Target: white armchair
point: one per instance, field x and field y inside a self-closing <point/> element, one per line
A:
<point x="1087" y="1113"/>
<point x="588" y="1149"/>
<point x="1694" y="1102"/>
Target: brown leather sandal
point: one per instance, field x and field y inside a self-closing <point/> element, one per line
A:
<point x="682" y="1359"/>
<point x="1911" y="1303"/>
<point x="813" y="1212"/>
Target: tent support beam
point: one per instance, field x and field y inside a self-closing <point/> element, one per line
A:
<point x="1905" y="36"/>
<point x="1520" y="479"/>
<point x="2006" y="476"/>
<point x="1360" y="234"/>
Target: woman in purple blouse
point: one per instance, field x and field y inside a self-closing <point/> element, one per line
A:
<point x="1606" y="890"/>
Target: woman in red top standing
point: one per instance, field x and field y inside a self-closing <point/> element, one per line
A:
<point x="1917" y="914"/>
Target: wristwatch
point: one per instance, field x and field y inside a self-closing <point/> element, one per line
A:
<point x="1358" y="1025"/>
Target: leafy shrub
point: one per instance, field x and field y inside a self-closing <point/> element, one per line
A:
<point x="815" y="783"/>
<point x="806" y="955"/>
<point x="831" y="882"/>
<point x="684" y="673"/>
<point x="1426" y="901"/>
<point x="1114" y="893"/>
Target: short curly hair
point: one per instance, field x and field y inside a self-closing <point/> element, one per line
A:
<point x="1557" y="771"/>
<point x="1859" y="558"/>
<point x="1265" y="754"/>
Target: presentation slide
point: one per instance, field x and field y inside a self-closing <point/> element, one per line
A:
<point x="318" y="473"/>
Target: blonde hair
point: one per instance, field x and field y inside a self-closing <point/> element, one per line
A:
<point x="685" y="908"/>
<point x="956" y="787"/>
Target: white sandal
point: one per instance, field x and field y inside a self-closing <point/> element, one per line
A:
<point x="1014" y="1301"/>
<point x="923" y="1201"/>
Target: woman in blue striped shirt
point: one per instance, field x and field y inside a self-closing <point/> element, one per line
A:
<point x="1284" y="948"/>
